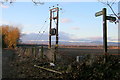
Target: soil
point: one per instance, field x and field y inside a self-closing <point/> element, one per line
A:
<point x="16" y="66"/>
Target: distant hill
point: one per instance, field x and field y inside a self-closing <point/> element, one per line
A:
<point x="64" y="40"/>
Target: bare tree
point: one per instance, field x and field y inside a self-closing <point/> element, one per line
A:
<point x="37" y="2"/>
<point x="3" y="2"/>
<point x="110" y="5"/>
<point x="6" y="1"/>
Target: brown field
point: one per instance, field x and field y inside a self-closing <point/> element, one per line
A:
<point x="96" y="50"/>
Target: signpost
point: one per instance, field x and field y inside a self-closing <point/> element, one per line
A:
<point x="111" y="18"/>
<point x="105" y="31"/>
<point x="99" y="13"/>
<point x="103" y="12"/>
<point x="105" y="18"/>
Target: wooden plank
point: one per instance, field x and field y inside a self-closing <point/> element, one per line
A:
<point x="51" y="70"/>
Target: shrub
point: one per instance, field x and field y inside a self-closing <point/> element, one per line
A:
<point x="10" y="36"/>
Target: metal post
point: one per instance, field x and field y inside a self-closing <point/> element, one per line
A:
<point x="104" y="31"/>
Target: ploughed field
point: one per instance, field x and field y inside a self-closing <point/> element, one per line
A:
<point x="78" y="51"/>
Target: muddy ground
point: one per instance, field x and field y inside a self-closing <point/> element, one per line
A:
<point x="15" y="66"/>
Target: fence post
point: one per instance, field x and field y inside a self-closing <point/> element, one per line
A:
<point x="55" y="50"/>
<point x="41" y="52"/>
<point x="34" y="52"/>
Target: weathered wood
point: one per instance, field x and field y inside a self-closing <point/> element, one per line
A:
<point x="34" y="52"/>
<point x="51" y="70"/>
<point x="41" y="52"/>
<point x="104" y="30"/>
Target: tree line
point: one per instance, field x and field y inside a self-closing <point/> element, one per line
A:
<point x="10" y="36"/>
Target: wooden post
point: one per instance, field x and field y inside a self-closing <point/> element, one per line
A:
<point x="27" y="53"/>
<point x="57" y="27"/>
<point x="104" y="13"/>
<point x="42" y="52"/>
<point x="54" y="55"/>
<point x="50" y="29"/>
<point x="33" y="51"/>
<point x="56" y="46"/>
<point x="105" y="34"/>
<point x="104" y="30"/>
<point x="52" y="11"/>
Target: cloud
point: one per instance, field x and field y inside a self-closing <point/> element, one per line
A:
<point x="3" y="6"/>
<point x="75" y="28"/>
<point x="64" y="38"/>
<point x="65" y="20"/>
<point x="40" y="36"/>
<point x="4" y="22"/>
<point x="95" y="38"/>
<point x="110" y="39"/>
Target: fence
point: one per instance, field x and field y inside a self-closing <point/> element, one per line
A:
<point x="36" y="51"/>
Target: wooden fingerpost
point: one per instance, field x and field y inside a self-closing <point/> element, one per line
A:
<point x="105" y="30"/>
